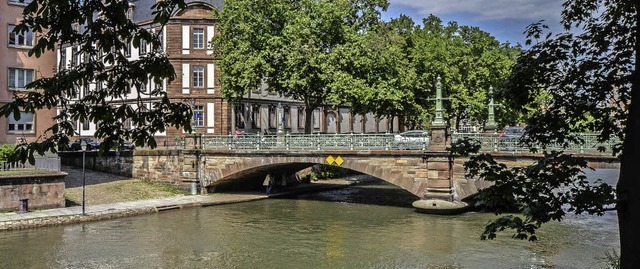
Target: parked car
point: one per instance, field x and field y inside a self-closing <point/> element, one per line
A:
<point x="415" y="139"/>
<point x="510" y="136"/>
<point x="512" y="132"/>
<point x="127" y="146"/>
<point x="92" y="144"/>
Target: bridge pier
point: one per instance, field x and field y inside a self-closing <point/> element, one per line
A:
<point x="440" y="196"/>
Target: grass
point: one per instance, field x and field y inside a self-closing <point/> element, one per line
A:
<point x="121" y="191"/>
<point x="24" y="172"/>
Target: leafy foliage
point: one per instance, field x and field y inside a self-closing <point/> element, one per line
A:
<point x="589" y="80"/>
<point x="101" y="30"/>
<point x="469" y="61"/>
<point x="542" y="192"/>
<point x="7" y="151"/>
<point x="295" y="47"/>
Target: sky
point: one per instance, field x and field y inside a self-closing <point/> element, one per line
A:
<point x="504" y="19"/>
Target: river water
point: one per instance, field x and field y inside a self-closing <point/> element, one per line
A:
<point x="336" y="229"/>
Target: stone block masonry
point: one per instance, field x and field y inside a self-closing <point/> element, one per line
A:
<point x="42" y="191"/>
<point x="406" y="169"/>
<point x="113" y="162"/>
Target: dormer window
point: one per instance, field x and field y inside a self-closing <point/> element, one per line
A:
<point x="130" y="11"/>
<point x="20" y="2"/>
<point x="75" y="27"/>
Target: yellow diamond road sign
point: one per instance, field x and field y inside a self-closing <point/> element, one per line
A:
<point x="330" y="159"/>
<point x="339" y="161"/>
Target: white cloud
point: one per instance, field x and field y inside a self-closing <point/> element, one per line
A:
<point x="488" y="10"/>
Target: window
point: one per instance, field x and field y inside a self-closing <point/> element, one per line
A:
<point x="301" y="118"/>
<point x="287" y="117"/>
<point x="75" y="56"/>
<point x="143" y="87"/>
<point x="63" y="59"/>
<point x="18" y="2"/>
<point x="19" y="78"/>
<point x="255" y="117"/>
<point x="161" y="39"/>
<point x="198" y="76"/>
<point x="239" y="112"/>
<point x="273" y="121"/>
<point x="143" y="47"/>
<point x="127" y="50"/>
<point x="126" y="124"/>
<point x="86" y="90"/>
<point x="20" y="39"/>
<point x="198" y="116"/>
<point x="24" y="124"/>
<point x="85" y="125"/>
<point x="198" y="38"/>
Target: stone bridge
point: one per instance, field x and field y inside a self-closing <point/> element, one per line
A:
<point x="432" y="176"/>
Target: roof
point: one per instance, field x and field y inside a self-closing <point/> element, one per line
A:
<point x="142" y="11"/>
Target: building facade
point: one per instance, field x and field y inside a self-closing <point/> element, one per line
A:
<point x="17" y="70"/>
<point x="186" y="40"/>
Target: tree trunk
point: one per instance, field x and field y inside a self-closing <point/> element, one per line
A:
<point x="308" y="117"/>
<point x="628" y="189"/>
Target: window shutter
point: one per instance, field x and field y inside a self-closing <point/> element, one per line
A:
<point x="210" y="79"/>
<point x="210" y="33"/>
<point x="185" y="39"/>
<point x="185" y="78"/>
<point x="210" y="118"/>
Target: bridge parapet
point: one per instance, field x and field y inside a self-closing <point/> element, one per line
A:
<point x="313" y="142"/>
<point x="493" y="142"/>
<point x="490" y="142"/>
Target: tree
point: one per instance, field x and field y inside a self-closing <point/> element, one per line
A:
<point x="395" y="64"/>
<point x="374" y="74"/>
<point x="590" y="76"/>
<point x="469" y="61"/>
<point x="291" y="45"/>
<point x="101" y="30"/>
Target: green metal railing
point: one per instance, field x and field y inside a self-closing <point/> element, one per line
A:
<point x="307" y="142"/>
<point x="494" y="142"/>
<point x="314" y="142"/>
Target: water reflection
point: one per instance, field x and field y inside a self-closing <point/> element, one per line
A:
<point x="306" y="233"/>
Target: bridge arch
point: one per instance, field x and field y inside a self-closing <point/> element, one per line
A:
<point x="406" y="171"/>
<point x="427" y="175"/>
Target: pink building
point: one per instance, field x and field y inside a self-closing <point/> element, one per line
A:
<point x="17" y="69"/>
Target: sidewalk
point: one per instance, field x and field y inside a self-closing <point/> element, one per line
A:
<point x="59" y="216"/>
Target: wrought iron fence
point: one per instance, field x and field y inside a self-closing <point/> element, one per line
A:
<point x="312" y="142"/>
<point x="41" y="163"/>
<point x="585" y="143"/>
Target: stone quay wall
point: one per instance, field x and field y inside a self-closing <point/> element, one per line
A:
<point x="113" y="162"/>
<point x="162" y="165"/>
<point x="42" y="191"/>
